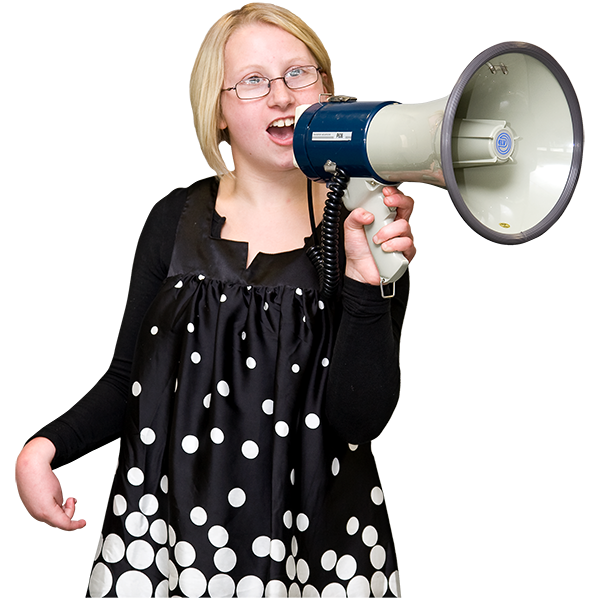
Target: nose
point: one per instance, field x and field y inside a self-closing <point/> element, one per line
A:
<point x="280" y="94"/>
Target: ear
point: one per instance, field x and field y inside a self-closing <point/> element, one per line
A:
<point x="325" y="80"/>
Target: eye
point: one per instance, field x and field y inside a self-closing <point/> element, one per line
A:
<point x="253" y="80"/>
<point x="296" y="72"/>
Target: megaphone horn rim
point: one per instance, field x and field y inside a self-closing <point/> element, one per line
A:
<point x="446" y="141"/>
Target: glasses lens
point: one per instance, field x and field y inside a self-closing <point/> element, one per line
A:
<point x="253" y="87"/>
<point x="300" y="77"/>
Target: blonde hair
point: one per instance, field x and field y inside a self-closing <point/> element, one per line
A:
<point x="208" y="73"/>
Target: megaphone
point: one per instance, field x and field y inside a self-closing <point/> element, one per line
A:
<point x="506" y="144"/>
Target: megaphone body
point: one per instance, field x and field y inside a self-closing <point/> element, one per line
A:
<point x="506" y="144"/>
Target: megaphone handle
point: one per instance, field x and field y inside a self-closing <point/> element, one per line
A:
<point x="368" y="194"/>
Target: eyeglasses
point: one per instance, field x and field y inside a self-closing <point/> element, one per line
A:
<point x="257" y="87"/>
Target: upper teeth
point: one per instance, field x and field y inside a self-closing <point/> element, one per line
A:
<point x="283" y="122"/>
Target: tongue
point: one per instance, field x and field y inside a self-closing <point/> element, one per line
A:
<point x="281" y="133"/>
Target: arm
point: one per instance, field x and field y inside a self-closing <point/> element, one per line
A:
<point x="364" y="380"/>
<point x="98" y="417"/>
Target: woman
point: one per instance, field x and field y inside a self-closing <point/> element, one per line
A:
<point x="245" y="403"/>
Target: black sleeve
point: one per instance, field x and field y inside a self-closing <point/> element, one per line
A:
<point x="97" y="418"/>
<point x="364" y="380"/>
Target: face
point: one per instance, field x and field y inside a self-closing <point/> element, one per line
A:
<point x="258" y="139"/>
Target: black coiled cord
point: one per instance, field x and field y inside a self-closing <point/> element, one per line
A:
<point x="325" y="256"/>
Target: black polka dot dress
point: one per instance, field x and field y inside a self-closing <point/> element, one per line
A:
<point x="230" y="481"/>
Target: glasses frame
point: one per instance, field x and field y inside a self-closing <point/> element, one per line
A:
<point x="269" y="81"/>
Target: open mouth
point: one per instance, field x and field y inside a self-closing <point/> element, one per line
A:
<point x="282" y="129"/>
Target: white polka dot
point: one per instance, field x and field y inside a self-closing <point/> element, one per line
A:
<point x="176" y="384"/>
<point x="290" y="567"/>
<point x="295" y="368"/>
<point x="206" y="400"/>
<point x="133" y="584"/>
<point x="395" y="584"/>
<point x="158" y="532"/>
<point x="217" y="436"/>
<point x="312" y="421"/>
<point x="302" y="571"/>
<point x="154" y="330"/>
<point x="276" y="589"/>
<point x="136" y="524"/>
<point x="328" y="560"/>
<point x="201" y="277"/>
<point x="379" y="584"/>
<point x="223" y="388"/>
<point x="288" y="519"/>
<point x="148" y="504"/>
<point x="236" y="497"/>
<point x="147" y="436"/>
<point x="266" y="306"/>
<point x="353" y="447"/>
<point x="100" y="581"/>
<point x="223" y="298"/>
<point x="310" y="591"/>
<point x="164" y="484"/>
<point x="370" y="536"/>
<point x="335" y="466"/>
<point x="321" y="304"/>
<point x="250" y="363"/>
<point x="185" y="554"/>
<point x="192" y="583"/>
<point x="250" y="449"/>
<point x="299" y="291"/>
<point x="99" y="548"/>
<point x="277" y="550"/>
<point x="119" y="505"/>
<point x="294" y="545"/>
<point x="136" y="388"/>
<point x="140" y="554"/>
<point x="334" y="590"/>
<point x="225" y="559"/>
<point x="195" y="357"/>
<point x="198" y="516"/>
<point x="190" y="444"/>
<point x="179" y="284"/>
<point x="293" y="476"/>
<point x="243" y="335"/>
<point x="359" y="587"/>
<point x="191" y="327"/>
<point x="162" y="589"/>
<point x="162" y="560"/>
<point x="302" y="522"/>
<point x="352" y="525"/>
<point x="325" y="362"/>
<point x="250" y="587"/>
<point x="221" y="586"/>
<point x="282" y="428"/>
<point x="378" y="557"/>
<point x="261" y="546"/>
<point x="377" y="495"/>
<point x="346" y="567"/>
<point x="218" y="536"/>
<point x="268" y="406"/>
<point x="113" y="549"/>
<point x="173" y="575"/>
<point x="172" y="536"/>
<point x="135" y="476"/>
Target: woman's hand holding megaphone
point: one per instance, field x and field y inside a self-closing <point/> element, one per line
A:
<point x="393" y="237"/>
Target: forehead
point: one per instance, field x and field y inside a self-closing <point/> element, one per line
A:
<point x="262" y="46"/>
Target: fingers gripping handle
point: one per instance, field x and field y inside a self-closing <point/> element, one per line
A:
<point x="368" y="194"/>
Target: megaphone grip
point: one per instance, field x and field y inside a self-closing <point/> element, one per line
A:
<point x="368" y="194"/>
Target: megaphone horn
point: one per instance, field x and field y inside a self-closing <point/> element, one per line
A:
<point x="506" y="143"/>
